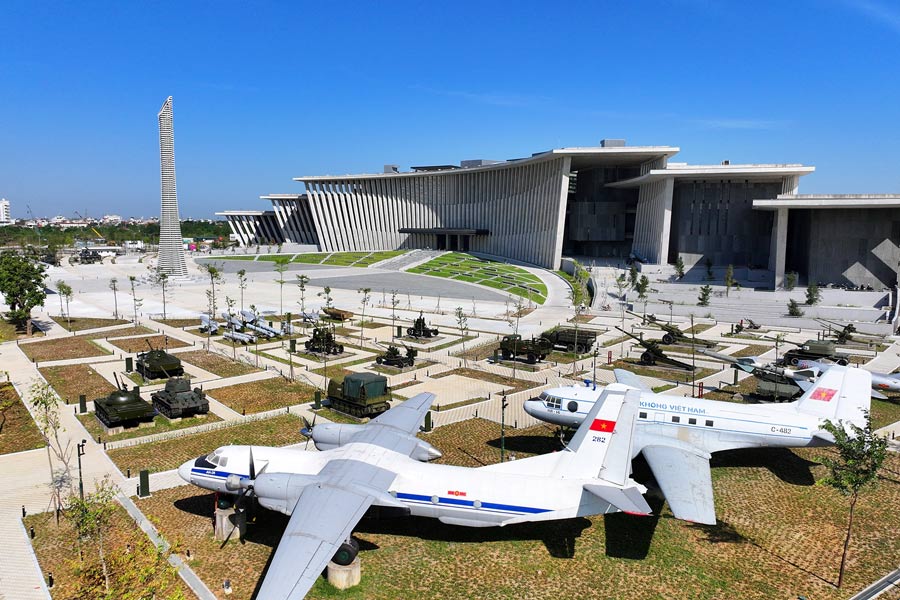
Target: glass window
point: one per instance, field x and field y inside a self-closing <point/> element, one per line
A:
<point x="692" y="421"/>
<point x="709" y="423"/>
<point x="642" y="415"/>
<point x="676" y="419"/>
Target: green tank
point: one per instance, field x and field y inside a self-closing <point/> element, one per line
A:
<point x="123" y="407"/>
<point x="813" y="350"/>
<point x="158" y="364"/>
<point x="179" y="400"/>
<point x="360" y="394"/>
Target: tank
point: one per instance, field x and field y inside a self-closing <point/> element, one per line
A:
<point x="87" y="257"/>
<point x="534" y="350"/>
<point x="813" y="350"/>
<point x="420" y="329"/>
<point x="360" y="394"/>
<point x="158" y="364"/>
<point x="323" y="342"/>
<point x="123" y="407"/>
<point x="179" y="400"/>
<point x="394" y="358"/>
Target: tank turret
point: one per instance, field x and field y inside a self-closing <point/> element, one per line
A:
<point x="158" y="364"/>
<point x="123" y="407"/>
<point x="177" y="399"/>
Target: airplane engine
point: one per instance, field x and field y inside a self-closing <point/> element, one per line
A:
<point x="425" y="451"/>
<point x="328" y="436"/>
<point x="280" y="491"/>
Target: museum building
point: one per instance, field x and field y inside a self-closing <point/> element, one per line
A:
<point x="610" y="201"/>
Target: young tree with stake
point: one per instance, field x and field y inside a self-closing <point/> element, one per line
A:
<point x="366" y="295"/>
<point x="462" y="322"/>
<point x="161" y="280"/>
<point x="242" y="284"/>
<point x="114" y="286"/>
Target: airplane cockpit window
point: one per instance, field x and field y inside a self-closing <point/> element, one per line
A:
<point x="213" y="457"/>
<point x="223" y="462"/>
<point x="551" y="401"/>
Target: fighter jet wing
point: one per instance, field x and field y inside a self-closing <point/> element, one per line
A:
<point x="407" y="416"/>
<point x="631" y="380"/>
<point x="682" y="473"/>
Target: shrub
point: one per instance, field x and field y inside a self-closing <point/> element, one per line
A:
<point x="703" y="298"/>
<point x="794" y="308"/>
<point x="679" y="267"/>
<point x="812" y="294"/>
<point x="790" y="280"/>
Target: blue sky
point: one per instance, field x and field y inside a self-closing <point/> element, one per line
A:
<point x="265" y="91"/>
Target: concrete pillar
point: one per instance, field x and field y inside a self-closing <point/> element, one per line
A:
<point x="227" y="520"/>
<point x="344" y="576"/>
<point x="778" y="246"/>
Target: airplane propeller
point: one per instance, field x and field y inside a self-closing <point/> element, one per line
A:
<point x="308" y="429"/>
<point x="248" y="489"/>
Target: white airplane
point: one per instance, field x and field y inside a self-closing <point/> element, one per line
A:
<point x="677" y="435"/>
<point x="382" y="464"/>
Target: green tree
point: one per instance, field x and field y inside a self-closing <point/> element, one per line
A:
<point x="65" y="293"/>
<point x="22" y="285"/>
<point x="242" y="284"/>
<point x="326" y="293"/>
<point x="679" y="267"/>
<point x="114" y="286"/>
<point x="366" y="296"/>
<point x="709" y="269"/>
<point x="794" y="308"/>
<point x="621" y="283"/>
<point x="135" y="300"/>
<point x="215" y="278"/>
<point x="161" y="280"/>
<point x="91" y="519"/>
<point x="729" y="279"/>
<point x="790" y="280"/>
<point x="643" y="286"/>
<point x="45" y="409"/>
<point x="633" y="276"/>
<point x="703" y="298"/>
<point x="812" y="294"/>
<point x="302" y="280"/>
<point x="861" y="453"/>
<point x="281" y="266"/>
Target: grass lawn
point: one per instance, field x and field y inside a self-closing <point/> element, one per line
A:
<point x="116" y="333"/>
<point x="216" y="363"/>
<point x="158" y="342"/>
<point x="162" y="424"/>
<point x="751" y="350"/>
<point x="671" y="374"/>
<point x="69" y="381"/>
<point x="62" y="348"/>
<point x="82" y="323"/>
<point x="179" y="322"/>
<point x="133" y="561"/>
<point x="512" y="385"/>
<point x="17" y="429"/>
<point x="169" y="454"/>
<point x="481" y="352"/>
<point x="263" y="395"/>
<point x="309" y="259"/>
<point x="465" y="267"/>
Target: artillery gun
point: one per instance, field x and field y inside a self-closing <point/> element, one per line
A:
<point x="123" y="407"/>
<point x="178" y="400"/>
<point x="847" y="333"/>
<point x="323" y="341"/>
<point x="534" y="349"/>
<point x="360" y="394"/>
<point x="813" y="350"/>
<point x="653" y="354"/>
<point x="156" y="364"/>
<point x="739" y="327"/>
<point x="674" y="335"/>
<point x="393" y="357"/>
<point x="420" y="329"/>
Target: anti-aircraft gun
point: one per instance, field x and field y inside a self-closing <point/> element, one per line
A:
<point x="178" y="400"/>
<point x="323" y="341"/>
<point x="674" y="335"/>
<point x="653" y="354"/>
<point x="813" y="350"/>
<point x="156" y="364"/>
<point x="739" y="327"/>
<point x="393" y="358"/>
<point x="421" y="329"/>
<point x="123" y="407"/>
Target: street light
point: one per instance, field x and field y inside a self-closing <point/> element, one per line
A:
<point x="80" y="480"/>
<point x="503" y="405"/>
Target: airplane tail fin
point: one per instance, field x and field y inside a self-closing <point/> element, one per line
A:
<point x="840" y="394"/>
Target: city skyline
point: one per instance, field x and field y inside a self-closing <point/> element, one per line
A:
<point x="364" y="86"/>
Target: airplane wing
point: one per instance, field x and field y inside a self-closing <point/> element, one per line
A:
<point x="328" y="510"/>
<point x="682" y="473"/>
<point x="631" y="380"/>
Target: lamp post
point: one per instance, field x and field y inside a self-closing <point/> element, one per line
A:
<point x="80" y="479"/>
<point x="503" y="405"/>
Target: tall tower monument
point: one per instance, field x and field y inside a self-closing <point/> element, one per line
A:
<point x="171" y="249"/>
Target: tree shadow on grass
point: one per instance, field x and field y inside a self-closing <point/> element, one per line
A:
<point x="782" y="462"/>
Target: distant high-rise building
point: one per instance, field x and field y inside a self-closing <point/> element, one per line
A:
<point x="171" y="248"/>
<point x="5" y="217"/>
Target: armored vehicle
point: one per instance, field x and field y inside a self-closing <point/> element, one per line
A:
<point x="393" y="357"/>
<point x="87" y="257"/>
<point x="158" y="364"/>
<point x="420" y="329"/>
<point x="323" y="342"/>
<point x="123" y="407"/>
<point x="337" y="313"/>
<point x="813" y="350"/>
<point x="534" y="349"/>
<point x="178" y="400"/>
<point x="653" y="354"/>
<point x="571" y="339"/>
<point x="360" y="394"/>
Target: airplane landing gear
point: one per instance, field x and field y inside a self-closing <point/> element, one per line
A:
<point x="346" y="554"/>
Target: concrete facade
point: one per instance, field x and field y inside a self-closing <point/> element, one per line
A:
<point x="171" y="248"/>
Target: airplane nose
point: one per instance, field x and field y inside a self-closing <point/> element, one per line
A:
<point x="530" y="406"/>
<point x="184" y="471"/>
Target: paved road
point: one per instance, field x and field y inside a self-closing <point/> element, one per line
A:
<point x="891" y="581"/>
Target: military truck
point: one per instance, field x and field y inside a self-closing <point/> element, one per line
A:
<point x="123" y="407"/>
<point x="571" y="339"/>
<point x="393" y="357"/>
<point x="360" y="394"/>
<point x="420" y="329"/>
<point x="813" y="350"/>
<point x="534" y="349"/>
<point x="323" y="342"/>
<point x="177" y="399"/>
<point x="158" y="364"/>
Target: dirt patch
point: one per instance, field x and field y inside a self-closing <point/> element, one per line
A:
<point x="82" y="323"/>
<point x="169" y="454"/>
<point x="161" y="424"/>
<point x="69" y="381"/>
<point x="263" y="395"/>
<point x="62" y="349"/>
<point x="512" y="385"/>
<point x="17" y="429"/>
<point x="139" y="344"/>
<point x="216" y="363"/>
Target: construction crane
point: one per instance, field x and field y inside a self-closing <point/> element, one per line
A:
<point x="100" y="238"/>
